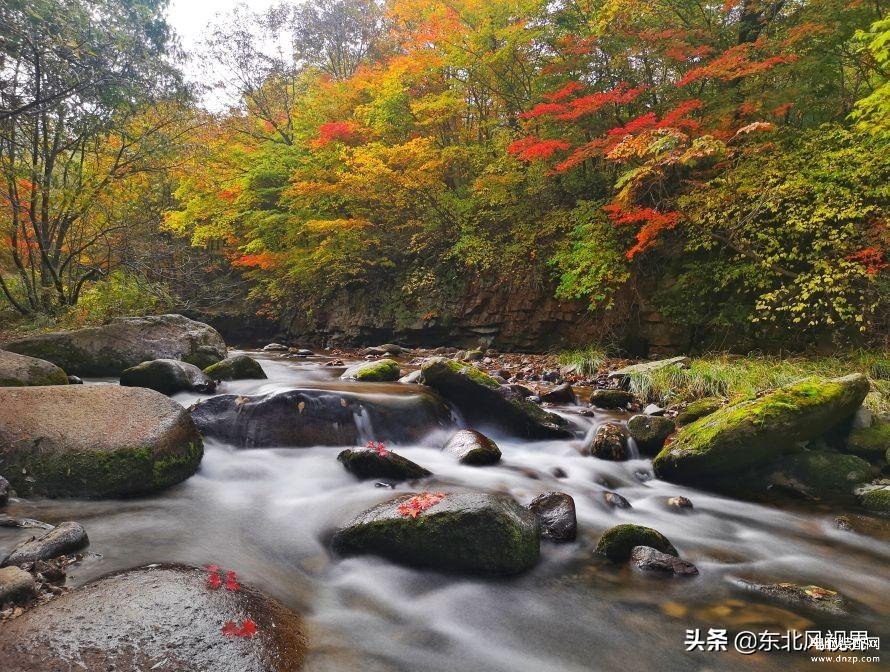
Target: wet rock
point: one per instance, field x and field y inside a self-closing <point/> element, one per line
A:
<point x="64" y="538"/>
<point x="521" y="390"/>
<point x="124" y="342"/>
<point x="652" y="560"/>
<point x="649" y="432"/>
<point x="464" y="532"/>
<point x="321" y="417"/>
<point x="369" y="463"/>
<point x="679" y="502"/>
<point x="380" y="371"/>
<point x="157" y="617"/>
<point x="16" y="586"/>
<point x="648" y="368"/>
<point x="474" y="355"/>
<point x="275" y="347"/>
<point x="820" y="474"/>
<point x="74" y="380"/>
<point x="561" y="394"/>
<point x="556" y="515"/>
<point x="609" y="442"/>
<point x="611" y="398"/>
<point x="482" y="401"/>
<point x="95" y="441"/>
<point x="871" y="442"/>
<point x="4" y="491"/>
<point x="391" y="349"/>
<point x="875" y="496"/>
<point x="18" y="370"/>
<point x="618" y="542"/>
<point x="615" y="500"/>
<point x="816" y="597"/>
<point x="473" y="448"/>
<point x="167" y="376"/>
<point x="239" y="367"/>
<point x="412" y="378"/>
<point x="559" y="472"/>
<point x="699" y="409"/>
<point x="757" y="432"/>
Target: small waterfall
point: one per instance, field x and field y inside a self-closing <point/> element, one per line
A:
<point x="633" y="449"/>
<point x="363" y="425"/>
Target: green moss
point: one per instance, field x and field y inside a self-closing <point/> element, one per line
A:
<point x="383" y="370"/>
<point x="870" y="442"/>
<point x="876" y="499"/>
<point x="753" y="432"/>
<point x="472" y="373"/>
<point x="699" y="409"/>
<point x="617" y="542"/>
<point x="239" y="367"/>
<point x="821" y="474"/>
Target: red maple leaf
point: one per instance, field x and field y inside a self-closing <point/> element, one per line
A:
<point x="246" y="629"/>
<point x="213" y="580"/>
<point x="420" y="503"/>
<point x="231" y="581"/>
<point x="379" y="446"/>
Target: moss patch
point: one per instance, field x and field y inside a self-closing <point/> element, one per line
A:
<point x="239" y="367"/>
<point x="870" y="442"/>
<point x="381" y="371"/>
<point x="699" y="409"/>
<point x="617" y="542"/>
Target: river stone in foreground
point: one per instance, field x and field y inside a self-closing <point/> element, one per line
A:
<point x="757" y="432"/>
<point x="94" y="441"/>
<point x="482" y="401"/>
<point x="322" y="417"/>
<point x="464" y="532"/>
<point x="158" y="617"/>
<point x="20" y="370"/>
<point x="124" y="342"/>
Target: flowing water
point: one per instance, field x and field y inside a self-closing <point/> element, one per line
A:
<point x="268" y="514"/>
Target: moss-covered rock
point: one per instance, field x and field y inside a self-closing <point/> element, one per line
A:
<point x="381" y="371"/>
<point x="813" y="597"/>
<point x="872" y="442"/>
<point x="875" y="497"/>
<point x="21" y="370"/>
<point x="482" y="400"/>
<point x="124" y="342"/>
<point x="617" y="543"/>
<point x="820" y="474"/>
<point x="239" y="367"/>
<point x="95" y="441"/>
<point x="465" y="532"/>
<point x="473" y="448"/>
<point x="611" y="398"/>
<point x="698" y="409"/>
<point x="167" y="376"/>
<point x="758" y="432"/>
<point x="368" y="463"/>
<point x="649" y="432"/>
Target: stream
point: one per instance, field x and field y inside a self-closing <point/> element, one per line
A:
<point x="269" y="513"/>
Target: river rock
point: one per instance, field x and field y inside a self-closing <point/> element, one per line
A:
<point x="698" y="409"/>
<point x="679" y="502"/>
<point x="63" y="539"/>
<point x="238" y="367"/>
<point x="381" y="371"/>
<point x="95" y="440"/>
<point x="556" y="515"/>
<point x="652" y="560"/>
<point x="412" y="378"/>
<point x="18" y="370"/>
<point x="816" y="597"/>
<point x="126" y="342"/>
<point x="167" y="376"/>
<point x="369" y="463"/>
<point x="757" y="432"/>
<point x="649" y="432"/>
<point x="275" y="347"/>
<point x="616" y="501"/>
<point x="609" y="442"/>
<point x="463" y="532"/>
<point x="322" y="416"/>
<point x="648" y="368"/>
<point x="871" y="442"/>
<point x="875" y="496"/>
<point x="156" y="617"/>
<point x="482" y="401"/>
<point x="16" y="586"/>
<point x="611" y="398"/>
<point x="473" y="448"/>
<point x="561" y="394"/>
<point x="618" y="542"/>
<point x="820" y="474"/>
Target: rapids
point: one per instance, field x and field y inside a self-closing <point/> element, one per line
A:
<point x="268" y="514"/>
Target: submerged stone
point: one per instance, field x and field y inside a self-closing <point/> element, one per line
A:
<point x="464" y="532"/>
<point x="651" y="559"/>
<point x="816" y="597"/>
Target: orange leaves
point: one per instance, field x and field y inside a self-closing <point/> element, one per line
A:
<point x="872" y="258"/>
<point x="568" y="90"/>
<point x="419" y="503"/>
<point x="337" y="131"/>
<point x="263" y="261"/>
<point x="755" y="127"/>
<point x="535" y="149"/>
<point x="735" y="63"/>
<point x="653" y="222"/>
<point x="583" y="105"/>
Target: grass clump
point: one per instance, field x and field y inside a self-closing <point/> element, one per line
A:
<point x="587" y="361"/>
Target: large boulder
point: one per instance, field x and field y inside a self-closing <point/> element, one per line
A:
<point x="758" y="432"/>
<point x="126" y="342"/>
<point x="381" y="371"/>
<point x="20" y="370"/>
<point x="649" y="432"/>
<point x="465" y="532"/>
<point x="871" y="442"/>
<point x="820" y="474"/>
<point x="167" y="376"/>
<point x="322" y="417"/>
<point x="238" y="367"/>
<point x="156" y="617"/>
<point x="482" y="401"/>
<point x="94" y="440"/>
<point x="62" y="539"/>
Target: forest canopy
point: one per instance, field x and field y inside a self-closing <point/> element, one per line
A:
<point x="726" y="162"/>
